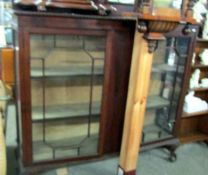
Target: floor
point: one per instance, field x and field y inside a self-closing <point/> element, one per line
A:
<point x="192" y="160"/>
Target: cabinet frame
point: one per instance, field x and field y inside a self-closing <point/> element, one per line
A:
<point x="116" y="73"/>
<point x="173" y="140"/>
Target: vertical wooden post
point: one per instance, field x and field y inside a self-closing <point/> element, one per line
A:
<point x="136" y="104"/>
<point x="3" y="162"/>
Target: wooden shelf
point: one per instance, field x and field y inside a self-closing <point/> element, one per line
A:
<point x="60" y="72"/>
<point x="66" y="147"/>
<point x="156" y="102"/>
<point x="195" y="66"/>
<point x="187" y="115"/>
<point x="64" y="111"/>
<point x="78" y="63"/>
<point x="159" y="68"/>
<point x="152" y="128"/>
<point x="194" y="137"/>
<point x="71" y="143"/>
<point x="163" y="68"/>
<point x="153" y="132"/>
<point x="78" y="55"/>
<point x="202" y="40"/>
<point x="199" y="89"/>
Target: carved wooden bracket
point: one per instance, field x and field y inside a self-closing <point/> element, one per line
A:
<point x="154" y="31"/>
<point x="152" y="45"/>
<point x="153" y="39"/>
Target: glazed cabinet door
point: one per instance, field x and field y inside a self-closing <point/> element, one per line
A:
<point x="166" y="91"/>
<point x="72" y="85"/>
<point x="66" y="76"/>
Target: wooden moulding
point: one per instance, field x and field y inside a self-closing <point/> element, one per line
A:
<point x="136" y="104"/>
<point x="154" y="36"/>
<point x="161" y="26"/>
<point x="156" y="27"/>
<point x="152" y="40"/>
<point x="69" y="6"/>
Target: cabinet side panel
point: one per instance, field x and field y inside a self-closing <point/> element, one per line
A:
<point x="119" y="52"/>
<point x="24" y="95"/>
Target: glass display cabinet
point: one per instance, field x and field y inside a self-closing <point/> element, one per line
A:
<point x="72" y="86"/>
<point x="193" y="125"/>
<point x="166" y="90"/>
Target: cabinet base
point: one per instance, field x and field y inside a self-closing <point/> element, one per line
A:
<point x="38" y="168"/>
<point x="130" y="173"/>
<point x="170" y="144"/>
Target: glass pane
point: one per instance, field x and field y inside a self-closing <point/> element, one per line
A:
<point x="165" y="87"/>
<point x="175" y="4"/>
<point x="66" y="89"/>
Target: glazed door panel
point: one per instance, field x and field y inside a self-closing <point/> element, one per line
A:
<point x="73" y="81"/>
<point x="166" y="86"/>
<point x="66" y="93"/>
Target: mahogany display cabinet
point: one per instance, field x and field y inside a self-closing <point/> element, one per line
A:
<point x="169" y="75"/>
<point x="72" y="81"/>
<point x="73" y="73"/>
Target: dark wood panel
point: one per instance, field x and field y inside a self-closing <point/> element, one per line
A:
<point x="24" y="96"/>
<point x="106" y="100"/>
<point x="119" y="74"/>
<point x="73" y="23"/>
<point x="203" y="125"/>
<point x="193" y="137"/>
<point x="189" y="125"/>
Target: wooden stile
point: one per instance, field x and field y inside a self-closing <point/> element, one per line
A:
<point x="136" y="104"/>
